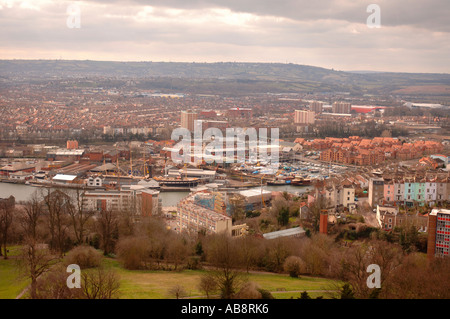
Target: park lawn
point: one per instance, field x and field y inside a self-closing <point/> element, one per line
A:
<point x="10" y="284"/>
<point x="142" y="284"/>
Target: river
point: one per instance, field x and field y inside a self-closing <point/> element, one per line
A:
<point x="24" y="192"/>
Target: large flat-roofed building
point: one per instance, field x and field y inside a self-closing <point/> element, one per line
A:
<point x="16" y="168"/>
<point x="64" y="179"/>
<point x="255" y="198"/>
<point x="438" y="233"/>
<point x="188" y="119"/>
<point x="63" y="154"/>
<point x="304" y="117"/>
<point x="192" y="217"/>
<point x="138" y="200"/>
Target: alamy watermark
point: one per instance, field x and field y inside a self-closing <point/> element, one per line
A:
<point x="374" y="20"/>
<point x="374" y="279"/>
<point x="239" y="145"/>
<point x="74" y="279"/>
<point x="74" y="16"/>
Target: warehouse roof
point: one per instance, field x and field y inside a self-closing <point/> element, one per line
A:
<point x="284" y="233"/>
<point x="62" y="177"/>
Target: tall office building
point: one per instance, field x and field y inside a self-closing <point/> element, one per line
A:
<point x="341" y="107"/>
<point x="316" y="107"/>
<point x="438" y="233"/>
<point x="304" y="117"/>
<point x="188" y="118"/>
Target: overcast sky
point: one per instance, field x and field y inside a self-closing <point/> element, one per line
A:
<point x="414" y="35"/>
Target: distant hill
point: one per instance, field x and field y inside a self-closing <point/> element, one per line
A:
<point x="254" y="77"/>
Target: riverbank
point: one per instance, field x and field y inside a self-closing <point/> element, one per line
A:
<point x="169" y="197"/>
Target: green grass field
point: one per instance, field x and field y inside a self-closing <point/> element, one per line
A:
<point x="10" y="283"/>
<point x="144" y="284"/>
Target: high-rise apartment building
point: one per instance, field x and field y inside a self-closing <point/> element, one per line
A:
<point x="341" y="107"/>
<point x="304" y="117"/>
<point x="438" y="233"/>
<point x="188" y="119"/>
<point x="316" y="107"/>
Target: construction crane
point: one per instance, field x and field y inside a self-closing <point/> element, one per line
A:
<point x="263" y="204"/>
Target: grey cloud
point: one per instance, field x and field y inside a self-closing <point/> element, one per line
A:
<point x="432" y="14"/>
<point x="320" y="33"/>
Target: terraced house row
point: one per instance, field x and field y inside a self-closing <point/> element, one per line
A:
<point x="409" y="190"/>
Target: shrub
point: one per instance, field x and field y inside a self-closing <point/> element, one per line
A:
<point x="265" y="294"/>
<point x="208" y="284"/>
<point x="84" y="256"/>
<point x="194" y="263"/>
<point x="304" y="295"/>
<point x="133" y="252"/>
<point x="294" y="266"/>
<point x="249" y="291"/>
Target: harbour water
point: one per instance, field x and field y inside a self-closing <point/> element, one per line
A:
<point x="24" y="192"/>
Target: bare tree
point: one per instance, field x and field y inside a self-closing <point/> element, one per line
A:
<point x="222" y="252"/>
<point x="248" y="249"/>
<point x="6" y="219"/>
<point x="134" y="252"/>
<point x="100" y="283"/>
<point x="277" y="251"/>
<point x="108" y="227"/>
<point x="78" y="215"/>
<point x="35" y="258"/>
<point x="177" y="291"/>
<point x="31" y="217"/>
<point x="315" y="209"/>
<point x="177" y="251"/>
<point x="207" y="284"/>
<point x="57" y="205"/>
<point x="387" y="256"/>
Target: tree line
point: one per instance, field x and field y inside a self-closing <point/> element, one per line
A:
<point x="54" y="230"/>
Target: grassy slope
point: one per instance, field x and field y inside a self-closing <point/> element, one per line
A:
<point x="156" y="284"/>
<point x="10" y="284"/>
